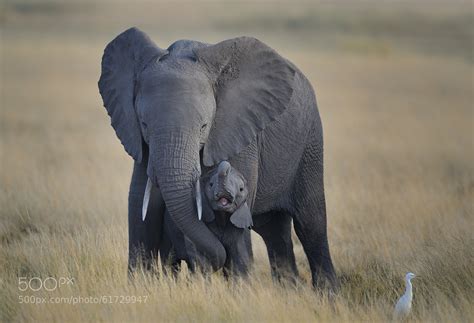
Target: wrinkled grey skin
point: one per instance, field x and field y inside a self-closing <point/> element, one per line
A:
<point x="227" y="215"/>
<point x="182" y="110"/>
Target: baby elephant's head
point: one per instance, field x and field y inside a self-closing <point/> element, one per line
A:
<point x="226" y="191"/>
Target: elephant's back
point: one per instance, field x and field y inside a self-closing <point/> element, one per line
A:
<point x="281" y="146"/>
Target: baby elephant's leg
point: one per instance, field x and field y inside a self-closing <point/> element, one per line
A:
<point x="239" y="253"/>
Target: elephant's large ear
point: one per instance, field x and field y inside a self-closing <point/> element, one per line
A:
<point x="253" y="86"/>
<point x="123" y="60"/>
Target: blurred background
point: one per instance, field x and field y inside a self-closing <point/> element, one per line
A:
<point x="394" y="84"/>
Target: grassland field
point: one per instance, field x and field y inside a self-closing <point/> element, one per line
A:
<point x="394" y="83"/>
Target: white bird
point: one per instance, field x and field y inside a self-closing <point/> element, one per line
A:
<point x="403" y="307"/>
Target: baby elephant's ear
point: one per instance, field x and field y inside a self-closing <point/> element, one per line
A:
<point x="242" y="218"/>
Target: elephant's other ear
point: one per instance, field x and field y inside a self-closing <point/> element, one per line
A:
<point x="253" y="86"/>
<point x="123" y="60"/>
<point x="242" y="218"/>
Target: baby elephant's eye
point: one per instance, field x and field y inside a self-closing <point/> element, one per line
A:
<point x="241" y="189"/>
<point x="211" y="184"/>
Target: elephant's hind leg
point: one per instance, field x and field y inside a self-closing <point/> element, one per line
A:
<point x="310" y="217"/>
<point x="276" y="234"/>
<point x="315" y="244"/>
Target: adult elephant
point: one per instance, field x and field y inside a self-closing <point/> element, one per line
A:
<point x="181" y="110"/>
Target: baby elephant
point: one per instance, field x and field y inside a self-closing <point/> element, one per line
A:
<point x="227" y="215"/>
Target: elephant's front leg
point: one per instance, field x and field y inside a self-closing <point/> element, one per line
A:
<point x="276" y="233"/>
<point x="175" y="247"/>
<point x="144" y="237"/>
<point x="170" y="263"/>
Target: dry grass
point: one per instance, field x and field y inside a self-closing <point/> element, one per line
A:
<point x="398" y="121"/>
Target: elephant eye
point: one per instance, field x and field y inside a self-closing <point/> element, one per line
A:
<point x="211" y="184"/>
<point x="241" y="189"/>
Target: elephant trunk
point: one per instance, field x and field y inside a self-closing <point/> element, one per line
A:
<point x="174" y="166"/>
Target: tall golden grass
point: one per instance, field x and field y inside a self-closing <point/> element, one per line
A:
<point x="397" y="107"/>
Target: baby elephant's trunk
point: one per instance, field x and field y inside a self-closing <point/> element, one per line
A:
<point x="223" y="192"/>
<point x="223" y="169"/>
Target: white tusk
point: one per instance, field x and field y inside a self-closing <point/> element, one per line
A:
<point x="146" y="198"/>
<point x="199" y="199"/>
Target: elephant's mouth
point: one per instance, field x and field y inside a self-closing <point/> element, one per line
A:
<point x="224" y="202"/>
